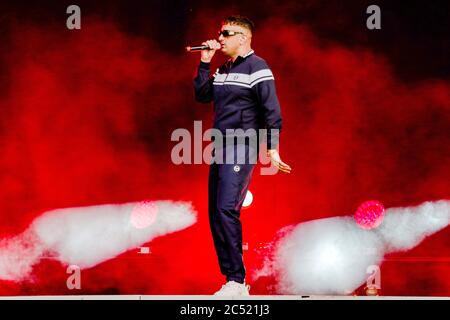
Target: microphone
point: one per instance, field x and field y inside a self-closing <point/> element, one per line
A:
<point x="197" y="48"/>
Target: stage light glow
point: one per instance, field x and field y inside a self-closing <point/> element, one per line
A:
<point x="328" y="256"/>
<point x="89" y="235"/>
<point x="331" y="256"/>
<point x="369" y="214"/>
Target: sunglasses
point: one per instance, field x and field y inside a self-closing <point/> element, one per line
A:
<point x="228" y="33"/>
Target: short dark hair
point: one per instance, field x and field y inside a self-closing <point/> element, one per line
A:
<point x="240" y="21"/>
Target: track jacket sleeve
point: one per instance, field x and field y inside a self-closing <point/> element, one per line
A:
<point x="263" y="84"/>
<point x="203" y="83"/>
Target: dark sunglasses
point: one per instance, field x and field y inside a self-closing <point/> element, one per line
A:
<point x="229" y="33"/>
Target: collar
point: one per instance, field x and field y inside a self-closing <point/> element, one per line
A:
<point x="248" y="53"/>
<point x="239" y="58"/>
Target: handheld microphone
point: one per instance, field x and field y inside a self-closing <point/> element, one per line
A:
<point x="197" y="48"/>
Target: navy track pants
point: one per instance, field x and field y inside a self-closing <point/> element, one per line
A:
<point x="227" y="187"/>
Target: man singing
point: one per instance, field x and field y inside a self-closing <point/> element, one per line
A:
<point x="243" y="91"/>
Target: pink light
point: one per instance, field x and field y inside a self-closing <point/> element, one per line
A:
<point x="369" y="214"/>
<point x="144" y="214"/>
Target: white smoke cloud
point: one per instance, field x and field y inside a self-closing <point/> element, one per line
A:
<point x="18" y="255"/>
<point x="405" y="228"/>
<point x="87" y="236"/>
<point x="331" y="256"/>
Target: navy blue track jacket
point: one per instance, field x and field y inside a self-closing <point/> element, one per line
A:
<point x="244" y="95"/>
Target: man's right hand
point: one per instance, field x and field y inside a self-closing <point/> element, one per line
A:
<point x="206" y="55"/>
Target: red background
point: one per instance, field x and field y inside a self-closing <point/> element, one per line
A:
<point x="87" y="117"/>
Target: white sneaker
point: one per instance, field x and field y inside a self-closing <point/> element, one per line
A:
<point x="233" y="288"/>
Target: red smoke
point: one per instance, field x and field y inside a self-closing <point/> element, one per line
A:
<point x="88" y="117"/>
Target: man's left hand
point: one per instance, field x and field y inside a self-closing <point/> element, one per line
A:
<point x="276" y="160"/>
